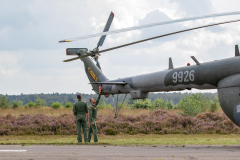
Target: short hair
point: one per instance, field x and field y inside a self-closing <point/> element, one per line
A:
<point x="90" y="100"/>
<point x="79" y="96"/>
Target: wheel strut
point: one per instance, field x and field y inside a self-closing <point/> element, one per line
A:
<point x="116" y="107"/>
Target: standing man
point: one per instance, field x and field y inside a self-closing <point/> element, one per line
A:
<point x="80" y="111"/>
<point x="92" y="117"/>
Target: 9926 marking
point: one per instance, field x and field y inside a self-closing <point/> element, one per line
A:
<point x="183" y="76"/>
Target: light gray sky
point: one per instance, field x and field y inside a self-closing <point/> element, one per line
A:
<point x="31" y="57"/>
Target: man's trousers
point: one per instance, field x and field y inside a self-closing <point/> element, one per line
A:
<point x="81" y="123"/>
<point x="92" y="129"/>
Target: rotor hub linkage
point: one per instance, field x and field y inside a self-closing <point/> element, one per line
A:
<point x="94" y="53"/>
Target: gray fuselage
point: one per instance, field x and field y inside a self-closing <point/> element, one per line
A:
<point x="202" y="76"/>
<point x="223" y="75"/>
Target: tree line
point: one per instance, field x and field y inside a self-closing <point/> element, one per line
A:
<point x="49" y="99"/>
<point x="189" y="104"/>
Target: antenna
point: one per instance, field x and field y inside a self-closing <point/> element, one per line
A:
<point x="195" y="60"/>
<point x="236" y="51"/>
<point x="170" y="63"/>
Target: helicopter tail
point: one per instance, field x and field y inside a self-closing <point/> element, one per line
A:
<point x="94" y="74"/>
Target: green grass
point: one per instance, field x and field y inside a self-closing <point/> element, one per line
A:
<point x="178" y="140"/>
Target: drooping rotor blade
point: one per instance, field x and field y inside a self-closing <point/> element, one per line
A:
<point x="149" y="25"/>
<point x="106" y="28"/>
<point x="72" y="59"/>
<point x="128" y="44"/>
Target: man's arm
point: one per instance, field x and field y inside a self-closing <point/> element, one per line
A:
<point x="74" y="113"/>
<point x="75" y="119"/>
<point x="99" y="97"/>
<point x="90" y="114"/>
<point x="74" y="110"/>
<point x="87" y="115"/>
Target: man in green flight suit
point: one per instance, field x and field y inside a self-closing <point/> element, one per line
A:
<point x="80" y="111"/>
<point x="92" y="117"/>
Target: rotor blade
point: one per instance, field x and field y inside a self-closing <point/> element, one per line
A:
<point x="106" y="28"/>
<point x="128" y="44"/>
<point x="149" y="25"/>
<point x="109" y="49"/>
<point x="72" y="59"/>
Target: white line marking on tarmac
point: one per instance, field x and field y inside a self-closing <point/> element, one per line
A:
<point x="13" y="150"/>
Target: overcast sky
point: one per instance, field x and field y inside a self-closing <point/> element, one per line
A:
<point x="31" y="57"/>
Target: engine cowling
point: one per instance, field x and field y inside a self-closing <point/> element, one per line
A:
<point x="229" y="97"/>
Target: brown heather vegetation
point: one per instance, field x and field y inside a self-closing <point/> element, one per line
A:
<point x="33" y="111"/>
<point x="48" y="121"/>
<point x="58" y="112"/>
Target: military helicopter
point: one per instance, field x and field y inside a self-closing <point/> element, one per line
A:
<point x="223" y="75"/>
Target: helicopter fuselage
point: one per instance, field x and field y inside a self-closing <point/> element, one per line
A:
<point x="203" y="76"/>
<point x="223" y="75"/>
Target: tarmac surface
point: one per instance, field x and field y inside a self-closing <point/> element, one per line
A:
<point x="101" y="152"/>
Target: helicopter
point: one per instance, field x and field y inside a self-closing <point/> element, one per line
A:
<point x="223" y="75"/>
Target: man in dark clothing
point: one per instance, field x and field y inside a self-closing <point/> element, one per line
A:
<point x="92" y="117"/>
<point x="80" y="111"/>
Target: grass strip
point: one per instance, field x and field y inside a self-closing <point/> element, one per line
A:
<point x="140" y="139"/>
